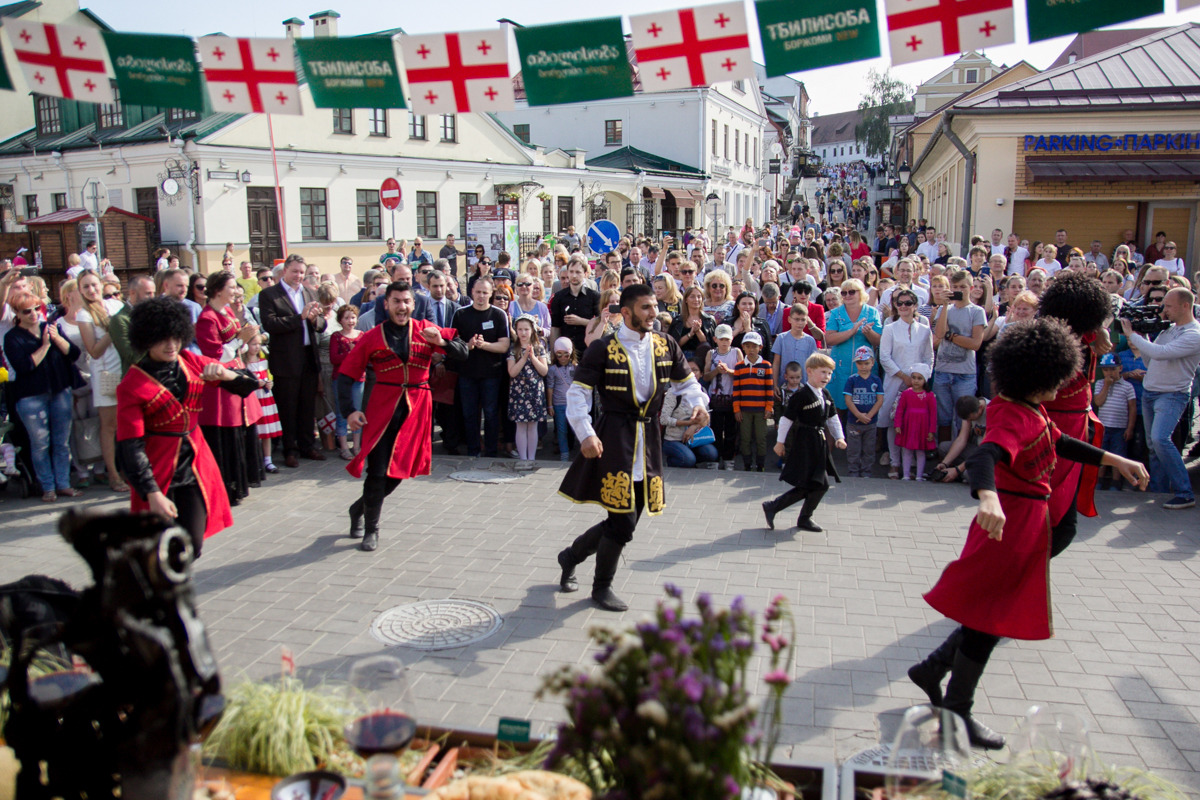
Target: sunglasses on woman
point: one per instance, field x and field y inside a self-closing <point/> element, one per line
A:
<point x="905" y="304"/>
<point x="849" y="292"/>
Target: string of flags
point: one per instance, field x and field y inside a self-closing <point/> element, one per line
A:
<point x="460" y="72"/>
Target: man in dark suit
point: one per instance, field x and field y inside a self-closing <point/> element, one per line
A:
<point x="424" y="306"/>
<point x="445" y="415"/>
<point x="292" y="316"/>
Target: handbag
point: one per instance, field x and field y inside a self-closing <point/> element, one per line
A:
<point x="85" y="440"/>
<point x="107" y="382"/>
<point x="720" y="402"/>
<point x="702" y="437"/>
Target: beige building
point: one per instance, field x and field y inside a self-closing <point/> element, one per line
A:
<point x="968" y="72"/>
<point x="1092" y="146"/>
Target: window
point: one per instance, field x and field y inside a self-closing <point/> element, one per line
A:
<point x="379" y="122"/>
<point x="449" y="128"/>
<point x="60" y="201"/>
<point x="746" y="149"/>
<point x="181" y="115"/>
<point x="31" y="208"/>
<point x="740" y="85"/>
<point x="612" y="132"/>
<point x="314" y="214"/>
<point x="370" y="224"/>
<point x="416" y="127"/>
<point x="111" y="114"/>
<point x="146" y="199"/>
<point x="49" y="115"/>
<point x="465" y="199"/>
<point x="343" y="120"/>
<point x="737" y="148"/>
<point x="521" y="131"/>
<point x="756" y="161"/>
<point x="726" y="142"/>
<point x="714" y="137"/>
<point x="972" y="76"/>
<point x="545" y="216"/>
<point x="427" y="221"/>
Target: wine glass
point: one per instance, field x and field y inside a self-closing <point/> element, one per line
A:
<point x="380" y="724"/>
<point x="931" y="747"/>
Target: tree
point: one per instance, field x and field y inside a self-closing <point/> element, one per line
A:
<point x="885" y="98"/>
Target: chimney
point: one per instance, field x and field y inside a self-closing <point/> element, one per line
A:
<point x="325" y="23"/>
<point x="292" y="27"/>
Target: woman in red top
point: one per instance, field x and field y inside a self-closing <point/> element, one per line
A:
<point x="226" y="419"/>
<point x="159" y="444"/>
<point x="340" y="345"/>
<point x="1000" y="585"/>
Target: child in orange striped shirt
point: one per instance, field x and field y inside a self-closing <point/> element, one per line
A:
<point x="753" y="401"/>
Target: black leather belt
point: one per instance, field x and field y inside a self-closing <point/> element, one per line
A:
<point x="1027" y="496"/>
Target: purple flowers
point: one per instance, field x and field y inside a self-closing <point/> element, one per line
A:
<point x="669" y="715"/>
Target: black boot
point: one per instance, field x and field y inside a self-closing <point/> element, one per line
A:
<point x="580" y="550"/>
<point x="769" y="510"/>
<point x="608" y="553"/>
<point x="811" y="500"/>
<point x="960" y="697"/>
<point x="929" y="673"/>
<point x="356" y="519"/>
<point x="374" y="490"/>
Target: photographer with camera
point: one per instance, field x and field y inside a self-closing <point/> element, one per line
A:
<point x="1171" y="362"/>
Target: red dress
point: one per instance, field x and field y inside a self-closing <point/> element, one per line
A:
<point x="223" y="409"/>
<point x="147" y="409"/>
<point x="1071" y="410"/>
<point x="396" y="382"/>
<point x="1003" y="587"/>
<point x="916" y="419"/>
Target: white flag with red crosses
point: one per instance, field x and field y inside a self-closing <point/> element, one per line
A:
<point x="458" y="72"/>
<point x="62" y="60"/>
<point x="246" y="76"/>
<point x="920" y="29"/>
<point x="692" y="47"/>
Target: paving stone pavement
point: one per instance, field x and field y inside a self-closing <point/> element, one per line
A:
<point x="1126" y="656"/>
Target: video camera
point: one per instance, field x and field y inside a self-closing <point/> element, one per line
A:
<point x="1146" y="320"/>
<point x="108" y="687"/>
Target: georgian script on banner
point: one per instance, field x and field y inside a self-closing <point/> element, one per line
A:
<point x="574" y="73"/>
<point x="156" y="70"/>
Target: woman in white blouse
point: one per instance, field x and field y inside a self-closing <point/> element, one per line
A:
<point x="906" y="340"/>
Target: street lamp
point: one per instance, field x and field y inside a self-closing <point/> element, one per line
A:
<point x="904" y="173"/>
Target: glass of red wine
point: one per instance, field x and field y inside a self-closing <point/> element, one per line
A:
<point x="380" y="724"/>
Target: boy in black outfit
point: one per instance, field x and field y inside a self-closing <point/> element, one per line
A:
<point x="809" y="413"/>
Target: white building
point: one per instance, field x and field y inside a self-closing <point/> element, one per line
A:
<point x="966" y="73"/>
<point x="833" y="138"/>
<point x="210" y="179"/>
<point x="718" y="131"/>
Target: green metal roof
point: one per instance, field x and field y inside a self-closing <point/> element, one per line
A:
<point x="146" y="131"/>
<point x="631" y="158"/>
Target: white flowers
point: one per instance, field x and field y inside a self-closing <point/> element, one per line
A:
<point x="653" y="711"/>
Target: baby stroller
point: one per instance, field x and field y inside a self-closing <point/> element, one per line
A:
<point x="16" y="465"/>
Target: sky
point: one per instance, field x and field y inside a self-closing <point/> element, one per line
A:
<point x="831" y="89"/>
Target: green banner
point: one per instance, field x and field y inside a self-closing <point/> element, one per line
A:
<point x="5" y="79"/>
<point x="1050" y="18"/>
<point x="357" y="72"/>
<point x="156" y="70"/>
<point x="573" y="73"/>
<point x="820" y="33"/>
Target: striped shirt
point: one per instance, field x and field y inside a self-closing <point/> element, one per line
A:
<point x="753" y="387"/>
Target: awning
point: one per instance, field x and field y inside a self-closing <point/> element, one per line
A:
<point x="654" y="193"/>
<point x="686" y="198"/>
<point x="1097" y="169"/>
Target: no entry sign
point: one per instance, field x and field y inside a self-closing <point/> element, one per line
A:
<point x="389" y="194"/>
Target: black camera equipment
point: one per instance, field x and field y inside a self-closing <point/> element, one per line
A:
<point x="1146" y="320"/>
<point x="110" y="686"/>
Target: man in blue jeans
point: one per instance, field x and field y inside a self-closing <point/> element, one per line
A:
<point x="1171" y="362"/>
<point x="484" y="328"/>
<point x="957" y="335"/>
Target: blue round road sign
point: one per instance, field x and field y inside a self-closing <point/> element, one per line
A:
<point x="603" y="236"/>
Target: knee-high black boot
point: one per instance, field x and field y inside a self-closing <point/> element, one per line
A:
<point x="929" y="673"/>
<point x="375" y="490"/>
<point x="356" y="518"/>
<point x="960" y="697"/>
<point x="608" y="553"/>
<point x="806" y="511"/>
<point x="580" y="550"/>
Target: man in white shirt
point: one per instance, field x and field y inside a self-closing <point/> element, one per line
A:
<point x="89" y="258"/>
<point x="1171" y="260"/>
<point x="1016" y="255"/>
<point x="620" y="465"/>
<point x="997" y="245"/>
<point x="1094" y="256"/>
<point x="905" y="272"/>
<point x="929" y="248"/>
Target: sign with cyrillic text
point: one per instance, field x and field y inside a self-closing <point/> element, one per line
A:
<point x="358" y="72"/>
<point x="800" y="36"/>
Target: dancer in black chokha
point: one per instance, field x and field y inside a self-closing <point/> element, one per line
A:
<point x="620" y="463"/>
<point x="801" y="438"/>
<point x="1000" y="585"/>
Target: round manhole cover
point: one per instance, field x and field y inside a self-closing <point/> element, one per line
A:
<point x="483" y="476"/>
<point x="436" y="624"/>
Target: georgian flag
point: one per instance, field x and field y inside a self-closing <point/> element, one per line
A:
<point x="452" y="73"/>
<point x="246" y="76"/>
<point x="67" y="61"/>
<point x="921" y="29"/>
<point x="691" y="47"/>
